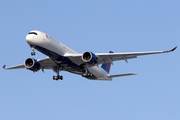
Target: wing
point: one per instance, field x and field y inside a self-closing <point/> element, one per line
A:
<point x="45" y="63"/>
<point x="14" y="67"/>
<point x="110" y="57"/>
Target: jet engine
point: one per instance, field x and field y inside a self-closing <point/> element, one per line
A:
<point x="90" y="58"/>
<point x="32" y="64"/>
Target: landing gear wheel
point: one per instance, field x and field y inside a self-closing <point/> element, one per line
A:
<point x="33" y="53"/>
<point x="60" y="77"/>
<point x="57" y="77"/>
<point x="54" y="77"/>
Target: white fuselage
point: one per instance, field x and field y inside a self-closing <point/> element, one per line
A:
<point x="46" y="42"/>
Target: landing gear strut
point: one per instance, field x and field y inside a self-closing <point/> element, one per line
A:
<point x="87" y="73"/>
<point x="58" y="76"/>
<point x="33" y="53"/>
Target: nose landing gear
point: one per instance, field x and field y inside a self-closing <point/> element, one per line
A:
<point x="33" y="53"/>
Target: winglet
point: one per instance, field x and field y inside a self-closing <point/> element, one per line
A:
<point x="174" y="48"/>
<point x="4" y="66"/>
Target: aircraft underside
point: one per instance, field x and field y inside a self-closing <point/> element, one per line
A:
<point x="64" y="64"/>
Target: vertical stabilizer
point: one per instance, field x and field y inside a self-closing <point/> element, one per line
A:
<point x="107" y="66"/>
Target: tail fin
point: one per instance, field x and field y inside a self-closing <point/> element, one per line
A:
<point x="107" y="66"/>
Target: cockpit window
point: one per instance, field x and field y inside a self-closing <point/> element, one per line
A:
<point x="33" y="33"/>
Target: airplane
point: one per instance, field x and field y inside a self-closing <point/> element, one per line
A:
<point x="63" y="58"/>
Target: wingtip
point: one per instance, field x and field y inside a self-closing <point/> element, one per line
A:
<point x="174" y="48"/>
<point x="4" y="66"/>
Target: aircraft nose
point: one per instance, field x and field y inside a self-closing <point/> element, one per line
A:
<point x="30" y="38"/>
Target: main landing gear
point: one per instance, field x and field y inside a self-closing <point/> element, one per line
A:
<point x="33" y="53"/>
<point x="58" y="76"/>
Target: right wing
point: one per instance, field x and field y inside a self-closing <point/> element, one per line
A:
<point x="14" y="67"/>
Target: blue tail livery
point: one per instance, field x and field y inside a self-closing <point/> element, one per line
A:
<point x="107" y="66"/>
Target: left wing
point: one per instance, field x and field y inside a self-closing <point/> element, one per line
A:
<point x="110" y="57"/>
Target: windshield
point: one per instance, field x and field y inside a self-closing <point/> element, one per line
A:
<point x="33" y="33"/>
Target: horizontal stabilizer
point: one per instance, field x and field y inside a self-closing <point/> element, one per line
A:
<point x="121" y="75"/>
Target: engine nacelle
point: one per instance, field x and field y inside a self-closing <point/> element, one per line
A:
<point x="32" y="64"/>
<point x="90" y="58"/>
